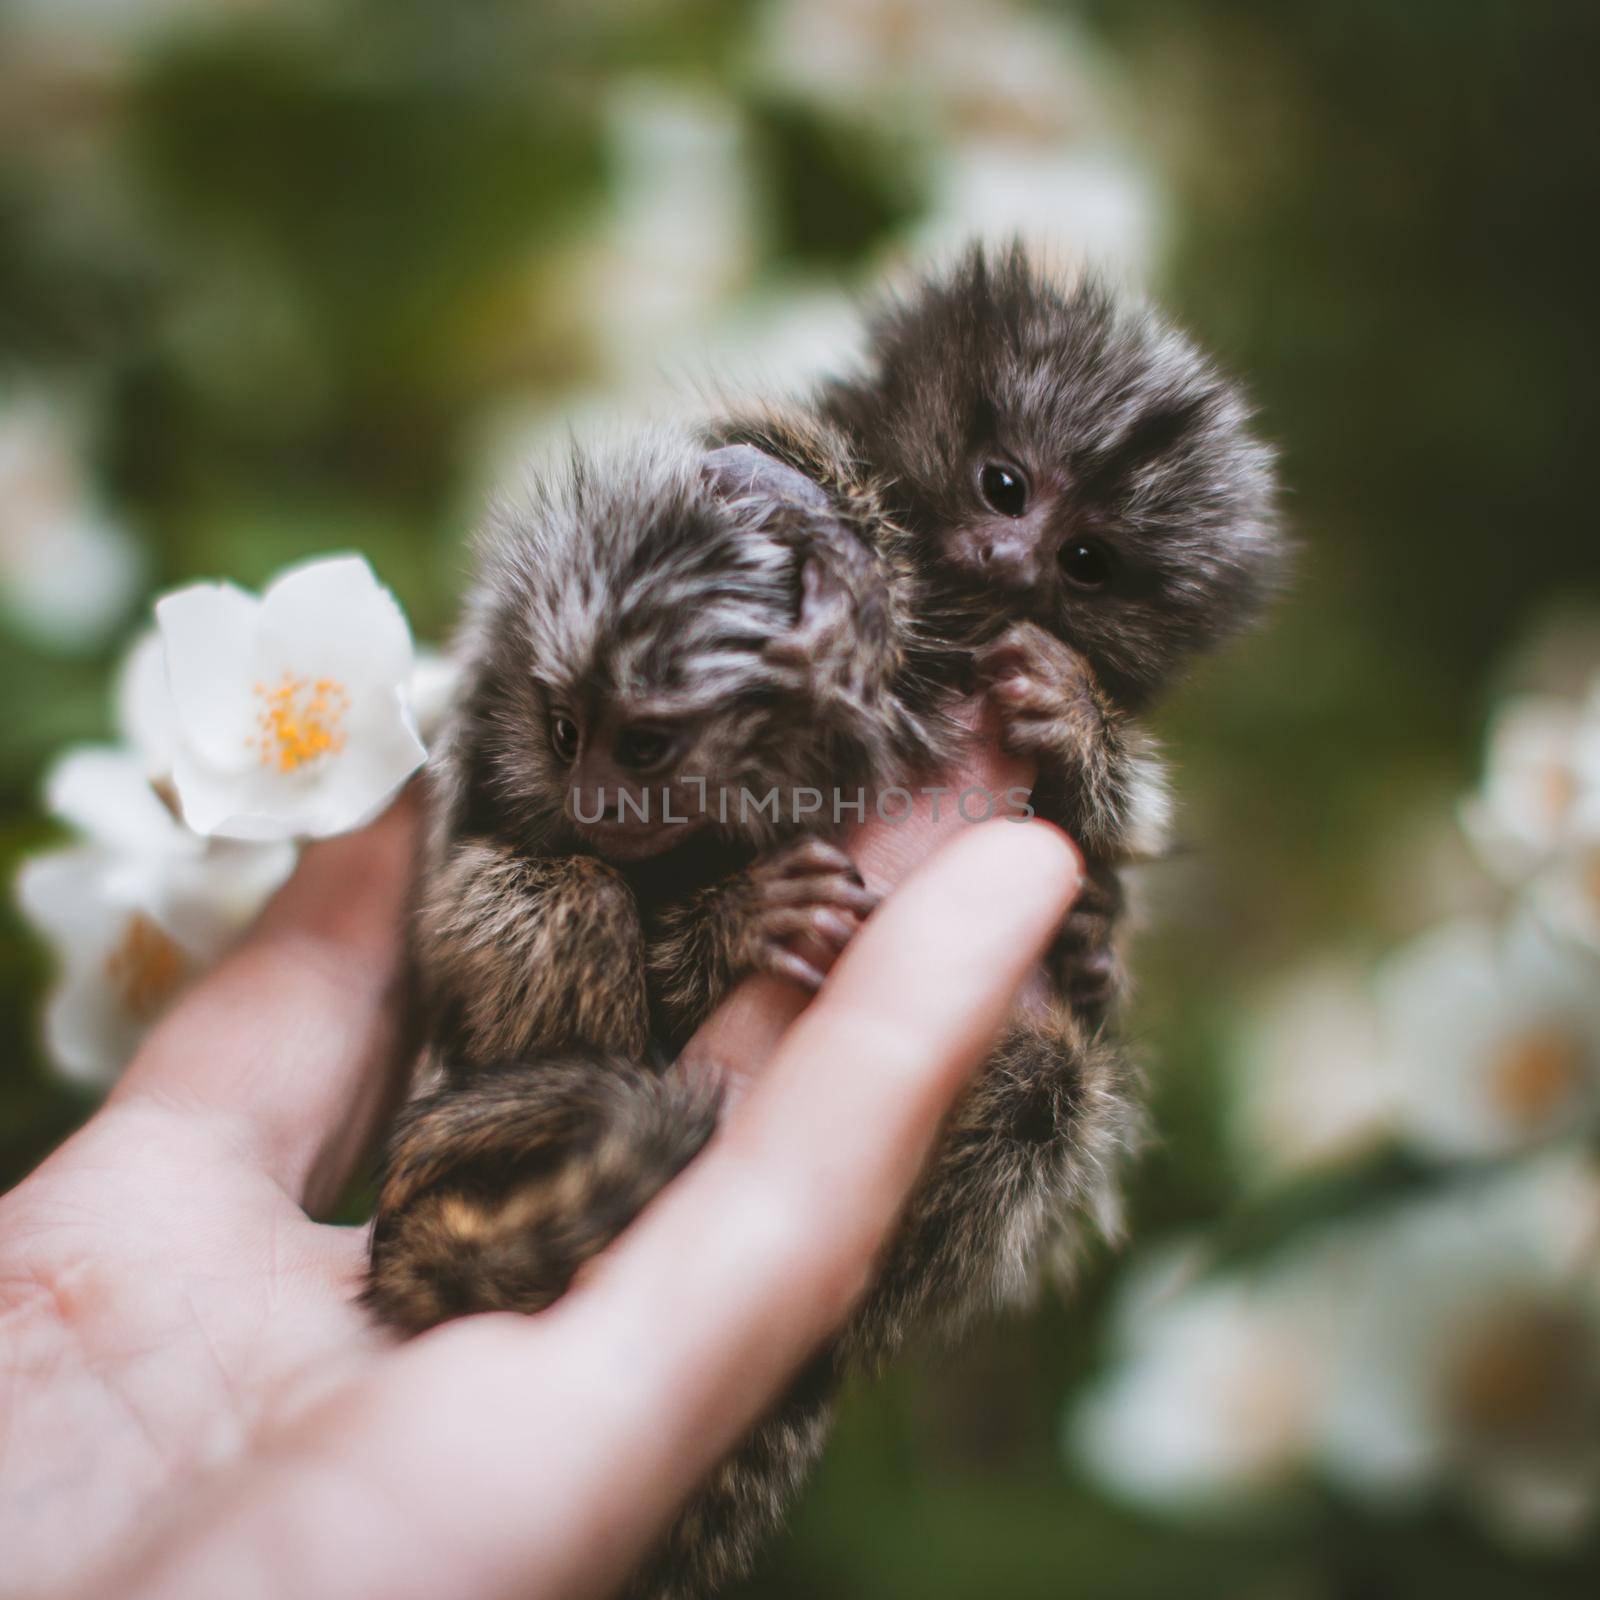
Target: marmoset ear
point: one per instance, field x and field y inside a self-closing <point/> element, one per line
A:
<point x="742" y="472"/>
<point x="843" y="619"/>
<point x="838" y="574"/>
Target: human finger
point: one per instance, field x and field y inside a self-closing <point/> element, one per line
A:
<point x="294" y="1039"/>
<point x="739" y="1038"/>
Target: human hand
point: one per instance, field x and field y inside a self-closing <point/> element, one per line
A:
<point x="195" y="1405"/>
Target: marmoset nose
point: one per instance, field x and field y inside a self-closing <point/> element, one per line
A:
<point x="645" y="749"/>
<point x="1012" y="563"/>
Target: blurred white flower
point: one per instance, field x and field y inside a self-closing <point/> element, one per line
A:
<point x="681" y="240"/>
<point x="1451" y="1344"/>
<point x="1565" y="896"/>
<point x="1012" y="108"/>
<point x="67" y="571"/>
<point x="1492" y="1037"/>
<point x="292" y="711"/>
<point x="783" y="341"/>
<point x="1312" y="1089"/>
<point x="1541" y="784"/>
<point x="133" y="913"/>
<point x="1214" y="1395"/>
<point x="143" y="703"/>
<point x="434" y="677"/>
<point x="1469" y="1355"/>
<point x="973" y="68"/>
<point x="1078" y="206"/>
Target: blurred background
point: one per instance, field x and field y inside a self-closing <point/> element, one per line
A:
<point x="277" y="279"/>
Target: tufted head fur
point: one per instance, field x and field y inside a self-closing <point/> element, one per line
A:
<point x="1059" y="456"/>
<point x="618" y="642"/>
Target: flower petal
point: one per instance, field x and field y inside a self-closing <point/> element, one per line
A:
<point x="207" y="903"/>
<point x="245" y="805"/>
<point x="333" y="618"/>
<point x="57" y="893"/>
<point x="210" y="632"/>
<point x="88" y="1036"/>
<point x="432" y="688"/>
<point x="104" y="793"/>
<point x="146" y="716"/>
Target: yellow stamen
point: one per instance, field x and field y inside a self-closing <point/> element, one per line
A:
<point x="146" y="968"/>
<point x="299" y="721"/>
<point x="1513" y="1379"/>
<point x="1535" y="1072"/>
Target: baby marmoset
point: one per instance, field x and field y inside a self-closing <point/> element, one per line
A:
<point x="659" y="640"/>
<point x="1084" y="509"/>
<point x="1061" y="496"/>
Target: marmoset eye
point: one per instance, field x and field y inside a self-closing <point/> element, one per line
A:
<point x="564" y="737"/>
<point x="644" y="749"/>
<point x="1086" y="564"/>
<point x="1004" y="488"/>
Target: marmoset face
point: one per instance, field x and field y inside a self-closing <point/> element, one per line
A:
<point x="622" y="627"/>
<point x="1061" y="458"/>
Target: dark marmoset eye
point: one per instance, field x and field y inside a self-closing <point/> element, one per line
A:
<point x="1004" y="488"/>
<point x="644" y="749"/>
<point x="1086" y="564"/>
<point x="564" y="737"/>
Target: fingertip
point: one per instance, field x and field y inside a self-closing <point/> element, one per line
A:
<point x="1024" y="860"/>
<point x="1056" y="852"/>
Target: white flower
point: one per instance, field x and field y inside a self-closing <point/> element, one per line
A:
<point x="786" y="340"/>
<point x="145" y="715"/>
<point x="1103" y="208"/>
<point x="1451" y="1344"/>
<point x="291" y="710"/>
<point x="1541" y="784"/>
<point x="67" y="571"/>
<point x="1565" y="896"/>
<point x="433" y="685"/>
<point x="1469" y="1353"/>
<point x="1312" y="1086"/>
<point x="133" y="913"/>
<point x="1565" y="893"/>
<point x="681" y="237"/>
<point x="1214" y="1395"/>
<point x="956" y="64"/>
<point x="1492" y="1037"/>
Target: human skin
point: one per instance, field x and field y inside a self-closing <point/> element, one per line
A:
<point x="191" y="1403"/>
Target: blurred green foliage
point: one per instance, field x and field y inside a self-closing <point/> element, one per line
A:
<point x="316" y="246"/>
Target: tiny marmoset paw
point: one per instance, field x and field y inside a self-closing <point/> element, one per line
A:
<point x="1090" y="968"/>
<point x="839" y="643"/>
<point x="808" y="890"/>
<point x="1043" y="690"/>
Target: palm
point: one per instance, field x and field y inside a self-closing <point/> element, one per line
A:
<point x="164" y="1298"/>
